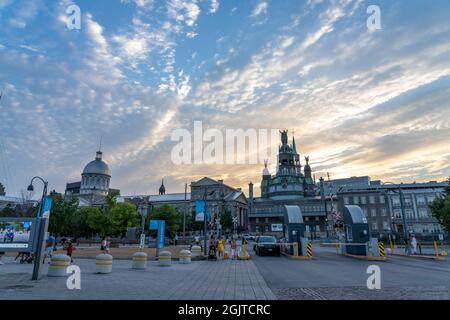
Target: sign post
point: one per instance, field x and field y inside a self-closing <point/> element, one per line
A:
<point x="42" y="228"/>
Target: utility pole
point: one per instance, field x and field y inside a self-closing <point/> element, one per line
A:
<point x="184" y="215"/>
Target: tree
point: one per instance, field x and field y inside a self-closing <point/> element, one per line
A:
<point x="123" y="216"/>
<point x="170" y="215"/>
<point x="440" y="209"/>
<point x="98" y="221"/>
<point x="62" y="215"/>
<point x="226" y="220"/>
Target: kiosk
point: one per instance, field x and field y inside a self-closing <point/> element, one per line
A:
<point x="294" y="229"/>
<point x="356" y="231"/>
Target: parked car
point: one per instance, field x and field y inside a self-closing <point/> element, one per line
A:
<point x="249" y="237"/>
<point x="267" y="245"/>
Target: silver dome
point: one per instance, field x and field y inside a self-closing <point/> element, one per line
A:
<point x="97" y="166"/>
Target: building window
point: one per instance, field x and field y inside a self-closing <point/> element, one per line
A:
<point x="306" y="218"/>
<point x="397" y="213"/>
<point x="317" y="218"/>
<point x="257" y="220"/>
<point x="256" y="228"/>
<point x="409" y="213"/>
<point x="382" y="200"/>
<point x="383" y="212"/>
<point x="363" y="200"/>
<point x="346" y="200"/>
<point x="374" y="226"/>
<point x="386" y="226"/>
<point x="408" y="202"/>
<point x="373" y="212"/>
<point x="267" y="228"/>
<point x="431" y="198"/>
<point x="372" y="199"/>
<point x="267" y="220"/>
<point x="356" y="200"/>
<point x="396" y="201"/>
<point x="421" y="200"/>
<point x="423" y="213"/>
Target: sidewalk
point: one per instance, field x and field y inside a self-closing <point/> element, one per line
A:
<point x="200" y="280"/>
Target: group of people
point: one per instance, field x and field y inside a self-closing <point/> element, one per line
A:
<point x="217" y="248"/>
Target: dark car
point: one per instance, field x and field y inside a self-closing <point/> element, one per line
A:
<point x="267" y="245"/>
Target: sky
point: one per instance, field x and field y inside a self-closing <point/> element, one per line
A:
<point x="359" y="101"/>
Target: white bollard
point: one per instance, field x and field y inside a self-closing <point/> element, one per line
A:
<point x="196" y="251"/>
<point x="185" y="256"/>
<point x="103" y="263"/>
<point x="58" y="265"/>
<point x="139" y="260"/>
<point x="165" y="258"/>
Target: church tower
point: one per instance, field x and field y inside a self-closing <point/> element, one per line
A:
<point x="162" y="189"/>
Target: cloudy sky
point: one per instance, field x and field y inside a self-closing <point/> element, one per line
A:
<point x="360" y="102"/>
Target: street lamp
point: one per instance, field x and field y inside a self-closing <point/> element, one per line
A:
<point x="405" y="226"/>
<point x="204" y="219"/>
<point x="44" y="192"/>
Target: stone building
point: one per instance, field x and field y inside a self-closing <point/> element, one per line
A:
<point x="289" y="186"/>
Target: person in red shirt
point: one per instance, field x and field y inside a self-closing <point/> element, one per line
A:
<point x="69" y="250"/>
<point x="233" y="249"/>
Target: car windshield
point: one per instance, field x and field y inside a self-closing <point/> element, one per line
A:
<point x="267" y="239"/>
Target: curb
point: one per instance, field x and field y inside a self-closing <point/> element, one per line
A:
<point x="296" y="258"/>
<point x="367" y="258"/>
<point x="418" y="257"/>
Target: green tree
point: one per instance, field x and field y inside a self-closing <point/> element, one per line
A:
<point x="98" y="221"/>
<point x="440" y="209"/>
<point x="172" y="217"/>
<point x="61" y="217"/>
<point x="226" y="220"/>
<point x="123" y="216"/>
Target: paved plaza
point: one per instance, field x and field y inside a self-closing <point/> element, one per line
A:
<point x="327" y="276"/>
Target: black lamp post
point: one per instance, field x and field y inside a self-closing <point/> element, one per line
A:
<point x="44" y="192"/>
<point x="204" y="220"/>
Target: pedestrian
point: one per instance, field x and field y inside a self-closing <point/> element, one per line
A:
<point x="197" y="240"/>
<point x="103" y="245"/>
<point x="233" y="249"/>
<point x="414" y="244"/>
<point x="69" y="250"/>
<point x="176" y="239"/>
<point x="108" y="244"/>
<point x="1" y="255"/>
<point x="220" y="248"/>
<point x="50" y="246"/>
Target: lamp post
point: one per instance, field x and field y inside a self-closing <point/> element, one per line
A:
<point x="41" y="229"/>
<point x="402" y="208"/>
<point x="204" y="221"/>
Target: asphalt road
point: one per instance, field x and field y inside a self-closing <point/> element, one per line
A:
<point x="332" y="276"/>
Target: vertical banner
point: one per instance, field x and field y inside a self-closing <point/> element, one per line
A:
<point x="162" y="226"/>
<point x="47" y="207"/>
<point x="199" y="210"/>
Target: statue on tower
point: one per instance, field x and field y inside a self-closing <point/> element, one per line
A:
<point x="307" y="160"/>
<point x="284" y="137"/>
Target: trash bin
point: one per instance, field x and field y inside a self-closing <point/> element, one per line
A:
<point x="196" y="251"/>
<point x="103" y="263"/>
<point x="58" y="265"/>
<point x="139" y="260"/>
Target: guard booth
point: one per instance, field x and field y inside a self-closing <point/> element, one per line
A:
<point x="294" y="229"/>
<point x="356" y="230"/>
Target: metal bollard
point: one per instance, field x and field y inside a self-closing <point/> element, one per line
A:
<point x="58" y="265"/>
<point x="165" y="259"/>
<point x="185" y="256"/>
<point x="139" y="260"/>
<point x="103" y="263"/>
<point x="196" y="251"/>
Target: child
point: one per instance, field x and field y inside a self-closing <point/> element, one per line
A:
<point x="220" y="248"/>
<point x="233" y="249"/>
<point x="69" y="250"/>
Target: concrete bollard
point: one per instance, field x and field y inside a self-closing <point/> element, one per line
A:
<point x="196" y="251"/>
<point x="139" y="260"/>
<point x="165" y="259"/>
<point x="103" y="263"/>
<point x="185" y="256"/>
<point x="58" y="265"/>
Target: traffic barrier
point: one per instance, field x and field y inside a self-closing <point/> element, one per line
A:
<point x="165" y="259"/>
<point x="58" y="265"/>
<point x="436" y="249"/>
<point x="309" y="250"/>
<point x="381" y="248"/>
<point x="185" y="256"/>
<point x="139" y="260"/>
<point x="196" y="251"/>
<point x="103" y="263"/>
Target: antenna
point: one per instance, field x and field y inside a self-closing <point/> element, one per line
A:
<point x="100" y="147"/>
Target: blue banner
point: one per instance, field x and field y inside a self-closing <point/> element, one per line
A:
<point x="162" y="226"/>
<point x="199" y="210"/>
<point x="153" y="225"/>
<point x="46" y="208"/>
